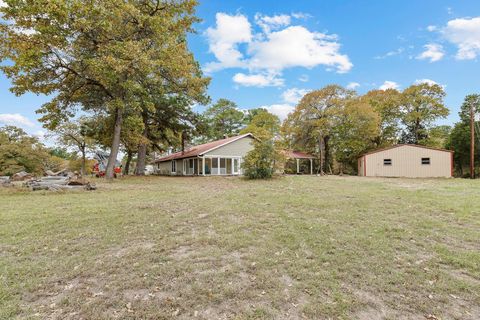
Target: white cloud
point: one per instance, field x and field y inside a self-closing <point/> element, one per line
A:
<point x="353" y="85"/>
<point x="433" y="52"/>
<point x="280" y="110"/>
<point x="15" y="119"/>
<point x="269" y="23"/>
<point x="432" y="28"/>
<point x="391" y="53"/>
<point x="279" y="46"/>
<point x="301" y="15"/>
<point x="304" y="78"/>
<point x="389" y="85"/>
<point x="294" y="95"/>
<point x="258" y="80"/>
<point x="296" y="46"/>
<point x="429" y="82"/>
<point x="465" y="34"/>
<point x="224" y="39"/>
<point x="2" y="4"/>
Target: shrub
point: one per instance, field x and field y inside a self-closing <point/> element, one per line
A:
<point x="260" y="162"/>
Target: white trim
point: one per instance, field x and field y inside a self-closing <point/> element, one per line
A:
<point x="224" y="144"/>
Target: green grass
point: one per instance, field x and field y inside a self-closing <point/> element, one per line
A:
<point x="298" y="247"/>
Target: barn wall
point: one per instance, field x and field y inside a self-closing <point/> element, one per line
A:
<point x="407" y="162"/>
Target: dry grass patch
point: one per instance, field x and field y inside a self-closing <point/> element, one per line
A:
<point x="296" y="247"/>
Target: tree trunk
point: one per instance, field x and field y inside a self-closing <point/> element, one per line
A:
<point x="126" y="170"/>
<point x="142" y="149"/>
<point x="82" y="169"/>
<point x="321" y="146"/>
<point x="327" y="153"/>
<point x="112" y="159"/>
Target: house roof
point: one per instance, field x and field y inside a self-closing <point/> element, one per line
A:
<point x="405" y="145"/>
<point x="298" y="155"/>
<point x="202" y="148"/>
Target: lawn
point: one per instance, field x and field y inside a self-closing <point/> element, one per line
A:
<point x="296" y="247"/>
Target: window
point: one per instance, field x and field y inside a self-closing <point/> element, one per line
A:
<point x="425" y="160"/>
<point x="387" y="162"/>
<point x="174" y="166"/>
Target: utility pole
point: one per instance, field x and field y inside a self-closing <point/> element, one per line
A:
<point x="472" y="141"/>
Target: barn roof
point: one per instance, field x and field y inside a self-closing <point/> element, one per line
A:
<point x="202" y="148"/>
<point x="405" y="145"/>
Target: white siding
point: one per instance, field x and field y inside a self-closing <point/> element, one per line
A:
<point x="407" y="162"/>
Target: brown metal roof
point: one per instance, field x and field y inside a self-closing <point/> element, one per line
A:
<point x="202" y="149"/>
<point x="405" y="145"/>
<point x="298" y="155"/>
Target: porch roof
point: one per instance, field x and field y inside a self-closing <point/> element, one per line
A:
<point x="298" y="155"/>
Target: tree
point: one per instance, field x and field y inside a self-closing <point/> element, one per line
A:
<point x="98" y="56"/>
<point x="387" y="103"/>
<point x="421" y="106"/>
<point x="263" y="125"/>
<point x="75" y="134"/>
<point x="459" y="138"/>
<point x="438" y="136"/>
<point x="309" y="127"/>
<point x="356" y="125"/>
<point x="21" y="152"/>
<point x="260" y="163"/>
<point x="224" y="119"/>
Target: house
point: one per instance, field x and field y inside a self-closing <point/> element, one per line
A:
<point x="407" y="160"/>
<point x="221" y="157"/>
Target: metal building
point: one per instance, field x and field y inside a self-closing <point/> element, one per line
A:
<point x="407" y="160"/>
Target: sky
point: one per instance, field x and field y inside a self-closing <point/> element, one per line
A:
<point x="269" y="53"/>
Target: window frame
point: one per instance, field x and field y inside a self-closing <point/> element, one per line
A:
<point x="173" y="166"/>
<point x="425" y="161"/>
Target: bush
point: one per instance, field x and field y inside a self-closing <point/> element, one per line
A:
<point x="259" y="163"/>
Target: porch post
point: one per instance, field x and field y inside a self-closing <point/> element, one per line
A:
<point x="298" y="166"/>
<point x="203" y="165"/>
<point x="311" y="166"/>
<point x="218" y="166"/>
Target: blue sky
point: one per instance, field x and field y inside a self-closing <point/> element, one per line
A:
<point x="269" y="53"/>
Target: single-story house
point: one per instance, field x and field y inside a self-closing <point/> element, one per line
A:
<point x="407" y="160"/>
<point x="221" y="157"/>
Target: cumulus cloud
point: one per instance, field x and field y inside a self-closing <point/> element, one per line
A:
<point x="258" y="80"/>
<point x="391" y="53"/>
<point x="353" y="85"/>
<point x="432" y="28"/>
<point x="280" y="110"/>
<point x="277" y="47"/>
<point x="389" y="85"/>
<point x="15" y="119"/>
<point x="433" y="52"/>
<point x="296" y="46"/>
<point x="230" y="31"/>
<point x="429" y="82"/>
<point x="465" y="34"/>
<point x="294" y="95"/>
<point x="269" y="23"/>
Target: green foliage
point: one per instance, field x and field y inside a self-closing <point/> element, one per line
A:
<point x="356" y="127"/>
<point x="263" y="125"/>
<point x="421" y="106"/>
<point x="387" y="104"/>
<point x="21" y="152"/>
<point x="438" y="136"/>
<point x="112" y="57"/>
<point x="459" y="138"/>
<point x="223" y="119"/>
<point x="260" y="162"/>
